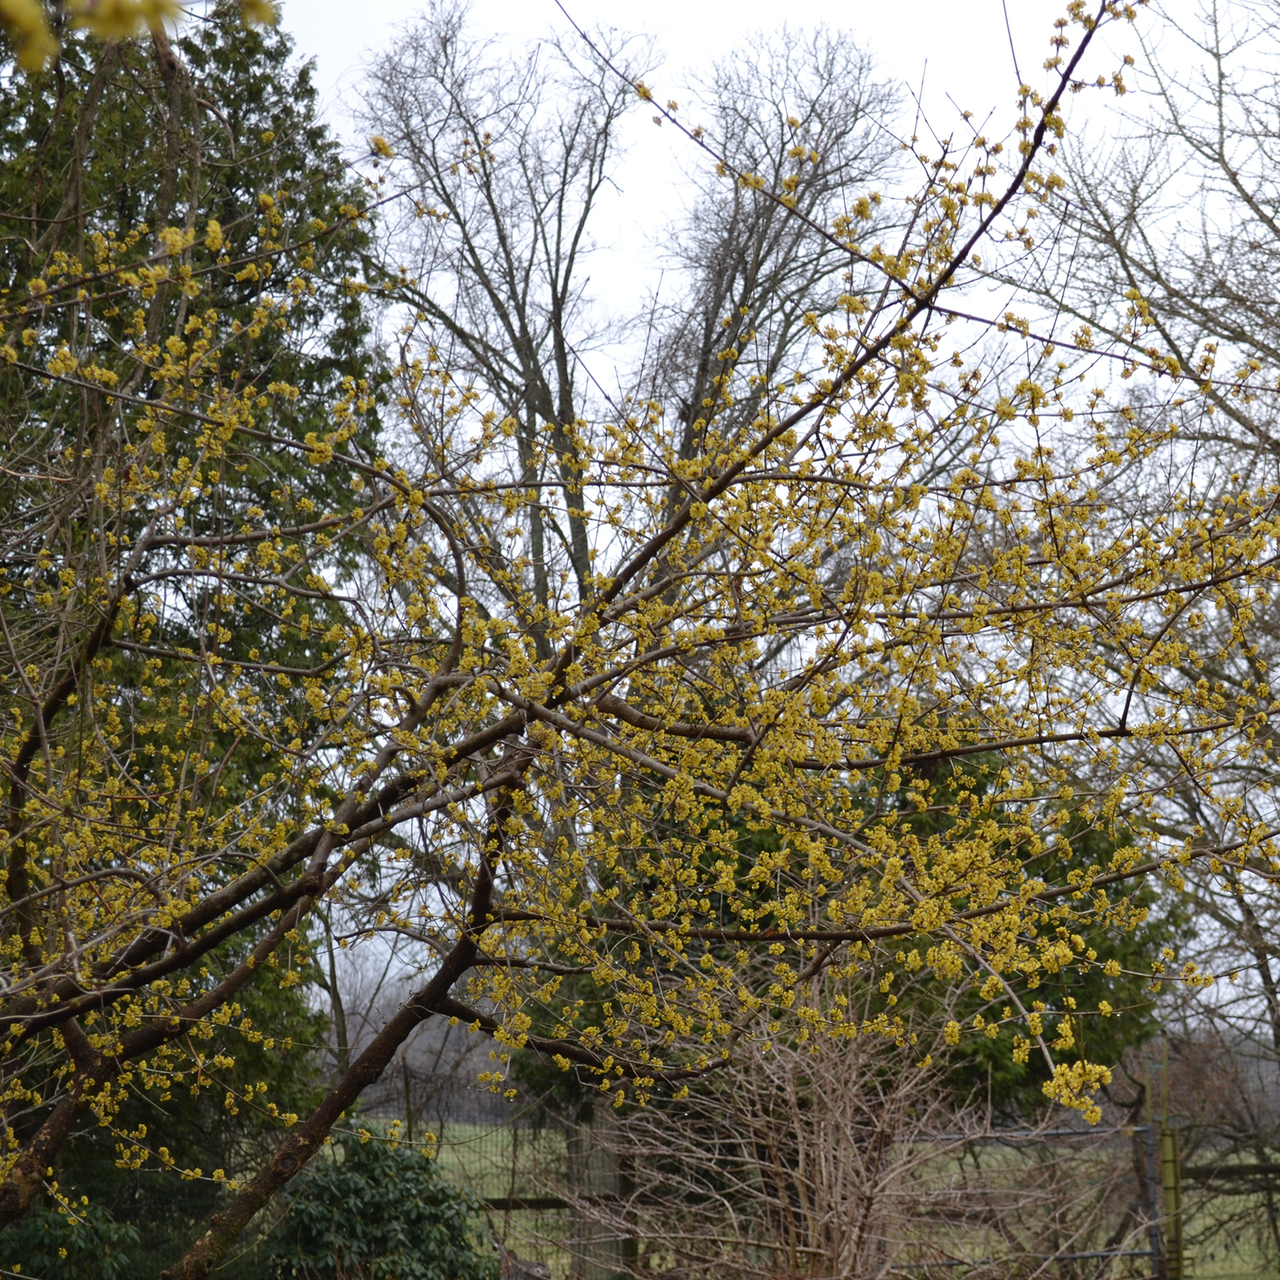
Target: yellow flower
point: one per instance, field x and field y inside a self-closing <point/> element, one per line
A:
<point x="24" y="25"/>
<point x="154" y="12"/>
<point x="120" y="19"/>
<point x="259" y="13"/>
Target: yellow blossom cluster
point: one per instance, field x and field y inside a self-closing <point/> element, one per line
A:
<point x="27" y="28"/>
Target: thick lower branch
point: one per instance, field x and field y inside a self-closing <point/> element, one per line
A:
<point x="308" y="1138"/>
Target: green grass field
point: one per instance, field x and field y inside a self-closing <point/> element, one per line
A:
<point x="511" y="1163"/>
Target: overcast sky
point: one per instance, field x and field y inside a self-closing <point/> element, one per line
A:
<point x="957" y="47"/>
<point x="962" y="52"/>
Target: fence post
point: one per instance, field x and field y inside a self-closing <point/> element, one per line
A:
<point x="1158" y="1270"/>
<point x="1172" y="1170"/>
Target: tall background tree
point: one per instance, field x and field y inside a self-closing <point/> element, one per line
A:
<point x="804" y="111"/>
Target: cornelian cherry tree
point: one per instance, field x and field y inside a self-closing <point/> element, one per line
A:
<point x="236" y="697"/>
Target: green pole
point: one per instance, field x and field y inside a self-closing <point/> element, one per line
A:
<point x="1172" y="1170"/>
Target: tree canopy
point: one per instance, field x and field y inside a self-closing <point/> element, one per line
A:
<point x="921" y="596"/>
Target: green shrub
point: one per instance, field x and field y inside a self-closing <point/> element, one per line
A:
<point x="55" y="1246"/>
<point x="368" y="1211"/>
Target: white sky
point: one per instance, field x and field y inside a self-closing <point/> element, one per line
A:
<point x="961" y="51"/>
<point x="963" y="44"/>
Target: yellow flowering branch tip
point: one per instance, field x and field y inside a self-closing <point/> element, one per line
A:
<point x="259" y="13"/>
<point x="124" y="19"/>
<point x="27" y="31"/>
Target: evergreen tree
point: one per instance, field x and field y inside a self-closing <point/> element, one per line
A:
<point x="99" y="154"/>
<point x="217" y="137"/>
